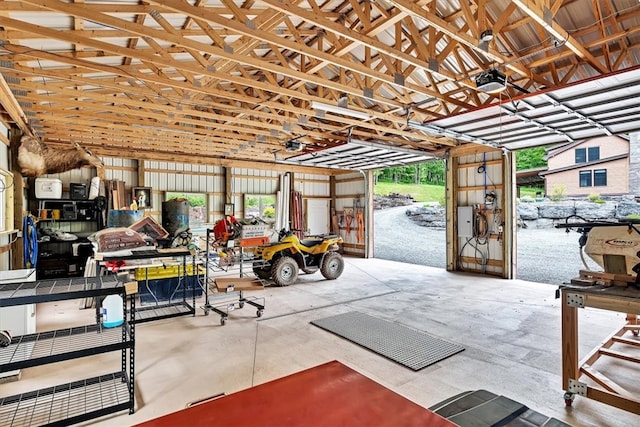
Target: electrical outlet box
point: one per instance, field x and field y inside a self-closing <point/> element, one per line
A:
<point x="465" y="221"/>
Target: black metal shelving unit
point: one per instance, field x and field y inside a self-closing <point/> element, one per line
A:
<point x="81" y="400"/>
<point x="159" y="311"/>
<point x="57" y="258"/>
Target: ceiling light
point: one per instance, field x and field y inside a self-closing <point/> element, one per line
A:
<point x="486" y="36"/>
<point x="491" y="81"/>
<point x="339" y="110"/>
<point x="292" y="146"/>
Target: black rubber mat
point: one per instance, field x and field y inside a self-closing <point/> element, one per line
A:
<point x="481" y="408"/>
<point x="409" y="347"/>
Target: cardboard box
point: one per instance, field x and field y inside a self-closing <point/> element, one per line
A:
<point x="238" y="283"/>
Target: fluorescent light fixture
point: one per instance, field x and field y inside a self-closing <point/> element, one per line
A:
<point x="339" y="110"/>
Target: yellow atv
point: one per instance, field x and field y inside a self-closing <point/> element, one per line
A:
<point x="281" y="261"/>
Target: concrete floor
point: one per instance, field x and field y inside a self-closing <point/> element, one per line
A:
<point x="510" y="330"/>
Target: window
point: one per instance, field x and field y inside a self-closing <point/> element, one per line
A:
<point x="585" y="178"/>
<point x="584" y="155"/>
<point x="599" y="177"/>
<point x="260" y="206"/>
<point x="6" y="206"/>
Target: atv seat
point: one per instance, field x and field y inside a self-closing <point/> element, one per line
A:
<point x="310" y="242"/>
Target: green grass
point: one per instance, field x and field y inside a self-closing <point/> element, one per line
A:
<point x="531" y="191"/>
<point x="432" y="193"/>
<point x="419" y="192"/>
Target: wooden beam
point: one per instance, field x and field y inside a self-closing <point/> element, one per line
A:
<point x="11" y="106"/>
<point x="18" y="196"/>
<point x="542" y="17"/>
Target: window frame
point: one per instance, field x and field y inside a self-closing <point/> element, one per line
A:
<point x="6" y="201"/>
<point x="585" y="174"/>
<point x="599" y="172"/>
<point x="580" y="154"/>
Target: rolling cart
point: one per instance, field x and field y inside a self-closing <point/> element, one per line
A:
<point x="229" y="300"/>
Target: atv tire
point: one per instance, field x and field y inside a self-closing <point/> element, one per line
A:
<point x="284" y="271"/>
<point x="332" y="265"/>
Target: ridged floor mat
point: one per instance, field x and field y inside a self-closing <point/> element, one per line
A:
<point x="408" y="347"/>
<point x="481" y="408"/>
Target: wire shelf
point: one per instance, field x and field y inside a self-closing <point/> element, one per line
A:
<point x="163" y="311"/>
<point x="58" y="289"/>
<point x="31" y="350"/>
<point x="67" y="403"/>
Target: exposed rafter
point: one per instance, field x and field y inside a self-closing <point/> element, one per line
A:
<point x="236" y="80"/>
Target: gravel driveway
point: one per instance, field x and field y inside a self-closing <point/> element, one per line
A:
<point x="544" y="255"/>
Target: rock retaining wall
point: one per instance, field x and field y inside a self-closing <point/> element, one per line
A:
<point x="540" y="214"/>
<point x="547" y="212"/>
<point x="392" y="200"/>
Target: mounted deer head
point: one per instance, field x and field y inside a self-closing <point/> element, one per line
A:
<point x="35" y="158"/>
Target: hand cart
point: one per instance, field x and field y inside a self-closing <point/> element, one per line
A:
<point x="231" y="299"/>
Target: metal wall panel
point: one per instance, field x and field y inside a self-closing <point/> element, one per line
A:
<point x="121" y="170"/>
<point x="313" y="185"/>
<point x="180" y="177"/>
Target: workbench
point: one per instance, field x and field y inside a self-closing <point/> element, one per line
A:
<point x="582" y="378"/>
<point x="331" y="394"/>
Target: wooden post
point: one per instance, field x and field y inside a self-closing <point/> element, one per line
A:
<point x="570" y="368"/>
<point x="368" y="216"/>
<point x="19" y="197"/>
<point x="228" y="185"/>
<point x="141" y="180"/>
<point x="451" y="167"/>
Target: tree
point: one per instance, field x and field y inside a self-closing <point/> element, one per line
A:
<point x="422" y="173"/>
<point x="530" y="158"/>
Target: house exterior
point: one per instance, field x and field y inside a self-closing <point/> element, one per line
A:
<point x="596" y="165"/>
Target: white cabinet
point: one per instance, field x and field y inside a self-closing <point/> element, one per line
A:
<point x="18" y="320"/>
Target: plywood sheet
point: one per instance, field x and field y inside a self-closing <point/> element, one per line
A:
<point x="239" y="283"/>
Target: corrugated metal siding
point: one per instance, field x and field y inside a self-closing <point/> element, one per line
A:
<point x="313" y="185"/>
<point x="121" y="170"/>
<point x="181" y="177"/>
